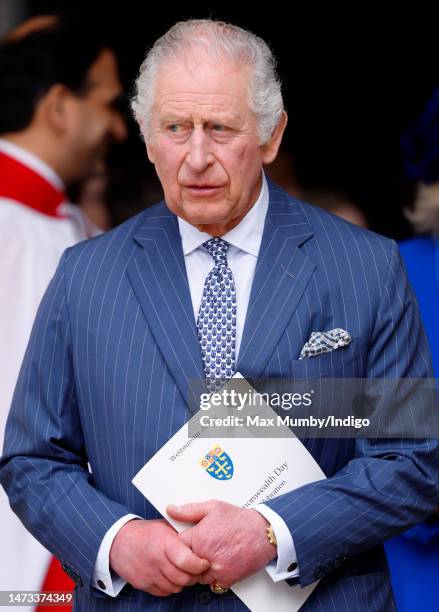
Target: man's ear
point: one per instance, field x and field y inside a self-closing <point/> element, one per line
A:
<point x="270" y="149"/>
<point x="55" y="107"/>
<point x="150" y="150"/>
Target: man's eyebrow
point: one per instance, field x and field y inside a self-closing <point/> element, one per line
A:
<point x="225" y="119"/>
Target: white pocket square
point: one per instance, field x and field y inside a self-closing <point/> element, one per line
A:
<point x="324" y="342"/>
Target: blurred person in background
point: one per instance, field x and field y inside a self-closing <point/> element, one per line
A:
<point x="414" y="555"/>
<point x="283" y="172"/>
<point x="58" y="116"/>
<point x="90" y="196"/>
<point x="337" y="203"/>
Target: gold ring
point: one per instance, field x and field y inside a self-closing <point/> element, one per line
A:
<point x="218" y="589"/>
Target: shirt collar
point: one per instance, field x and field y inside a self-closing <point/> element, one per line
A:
<point x="246" y="236"/>
<point x="33" y="162"/>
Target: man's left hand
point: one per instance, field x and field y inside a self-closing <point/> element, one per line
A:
<point x="233" y="539"/>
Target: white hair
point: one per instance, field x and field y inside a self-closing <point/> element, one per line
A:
<point x="218" y="40"/>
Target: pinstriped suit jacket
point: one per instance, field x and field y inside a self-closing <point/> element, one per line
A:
<point x="105" y="377"/>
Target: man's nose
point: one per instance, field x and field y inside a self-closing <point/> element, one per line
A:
<point x="199" y="155"/>
<point x="118" y="128"/>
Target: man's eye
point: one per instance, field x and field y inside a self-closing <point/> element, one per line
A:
<point x="217" y="127"/>
<point x="179" y="129"/>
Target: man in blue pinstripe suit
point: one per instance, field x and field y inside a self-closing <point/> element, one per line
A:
<point x="118" y="336"/>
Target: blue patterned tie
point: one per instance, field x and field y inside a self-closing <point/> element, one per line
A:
<point x="217" y="318"/>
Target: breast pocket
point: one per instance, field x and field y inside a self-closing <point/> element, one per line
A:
<point x="344" y="362"/>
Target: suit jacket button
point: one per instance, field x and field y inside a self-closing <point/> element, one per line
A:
<point x="101" y="584"/>
<point x="292" y="567"/>
<point x="205" y="597"/>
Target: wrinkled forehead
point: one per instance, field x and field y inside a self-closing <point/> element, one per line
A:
<point x="197" y="78"/>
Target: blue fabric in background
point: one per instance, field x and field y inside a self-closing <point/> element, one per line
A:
<point x="414" y="556"/>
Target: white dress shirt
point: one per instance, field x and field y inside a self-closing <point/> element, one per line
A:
<point x="245" y="241"/>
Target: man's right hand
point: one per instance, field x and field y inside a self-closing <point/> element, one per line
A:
<point x="151" y="557"/>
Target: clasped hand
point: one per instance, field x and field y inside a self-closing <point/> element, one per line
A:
<point x="226" y="544"/>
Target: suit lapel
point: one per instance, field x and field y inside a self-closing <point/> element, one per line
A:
<point x="282" y="272"/>
<point x="158" y="275"/>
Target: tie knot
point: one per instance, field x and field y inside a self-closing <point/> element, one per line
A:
<point x="217" y="247"/>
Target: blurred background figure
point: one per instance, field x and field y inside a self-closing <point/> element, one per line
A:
<point x="337" y="203"/>
<point x="59" y="114"/>
<point x="283" y="172"/>
<point x="90" y="196"/>
<point x="414" y="556"/>
<point x="12" y="12"/>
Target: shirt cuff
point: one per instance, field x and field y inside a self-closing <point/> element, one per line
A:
<point x="285" y="566"/>
<point x="104" y="579"/>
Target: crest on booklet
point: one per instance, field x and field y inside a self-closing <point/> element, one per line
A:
<point x="217" y="464"/>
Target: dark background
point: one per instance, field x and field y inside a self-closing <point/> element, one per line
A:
<point x="353" y="82"/>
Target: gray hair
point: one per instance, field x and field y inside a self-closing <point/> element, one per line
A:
<point x="425" y="214"/>
<point x="219" y="40"/>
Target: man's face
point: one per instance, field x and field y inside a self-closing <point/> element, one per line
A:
<point x="94" y="118"/>
<point x="204" y="143"/>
